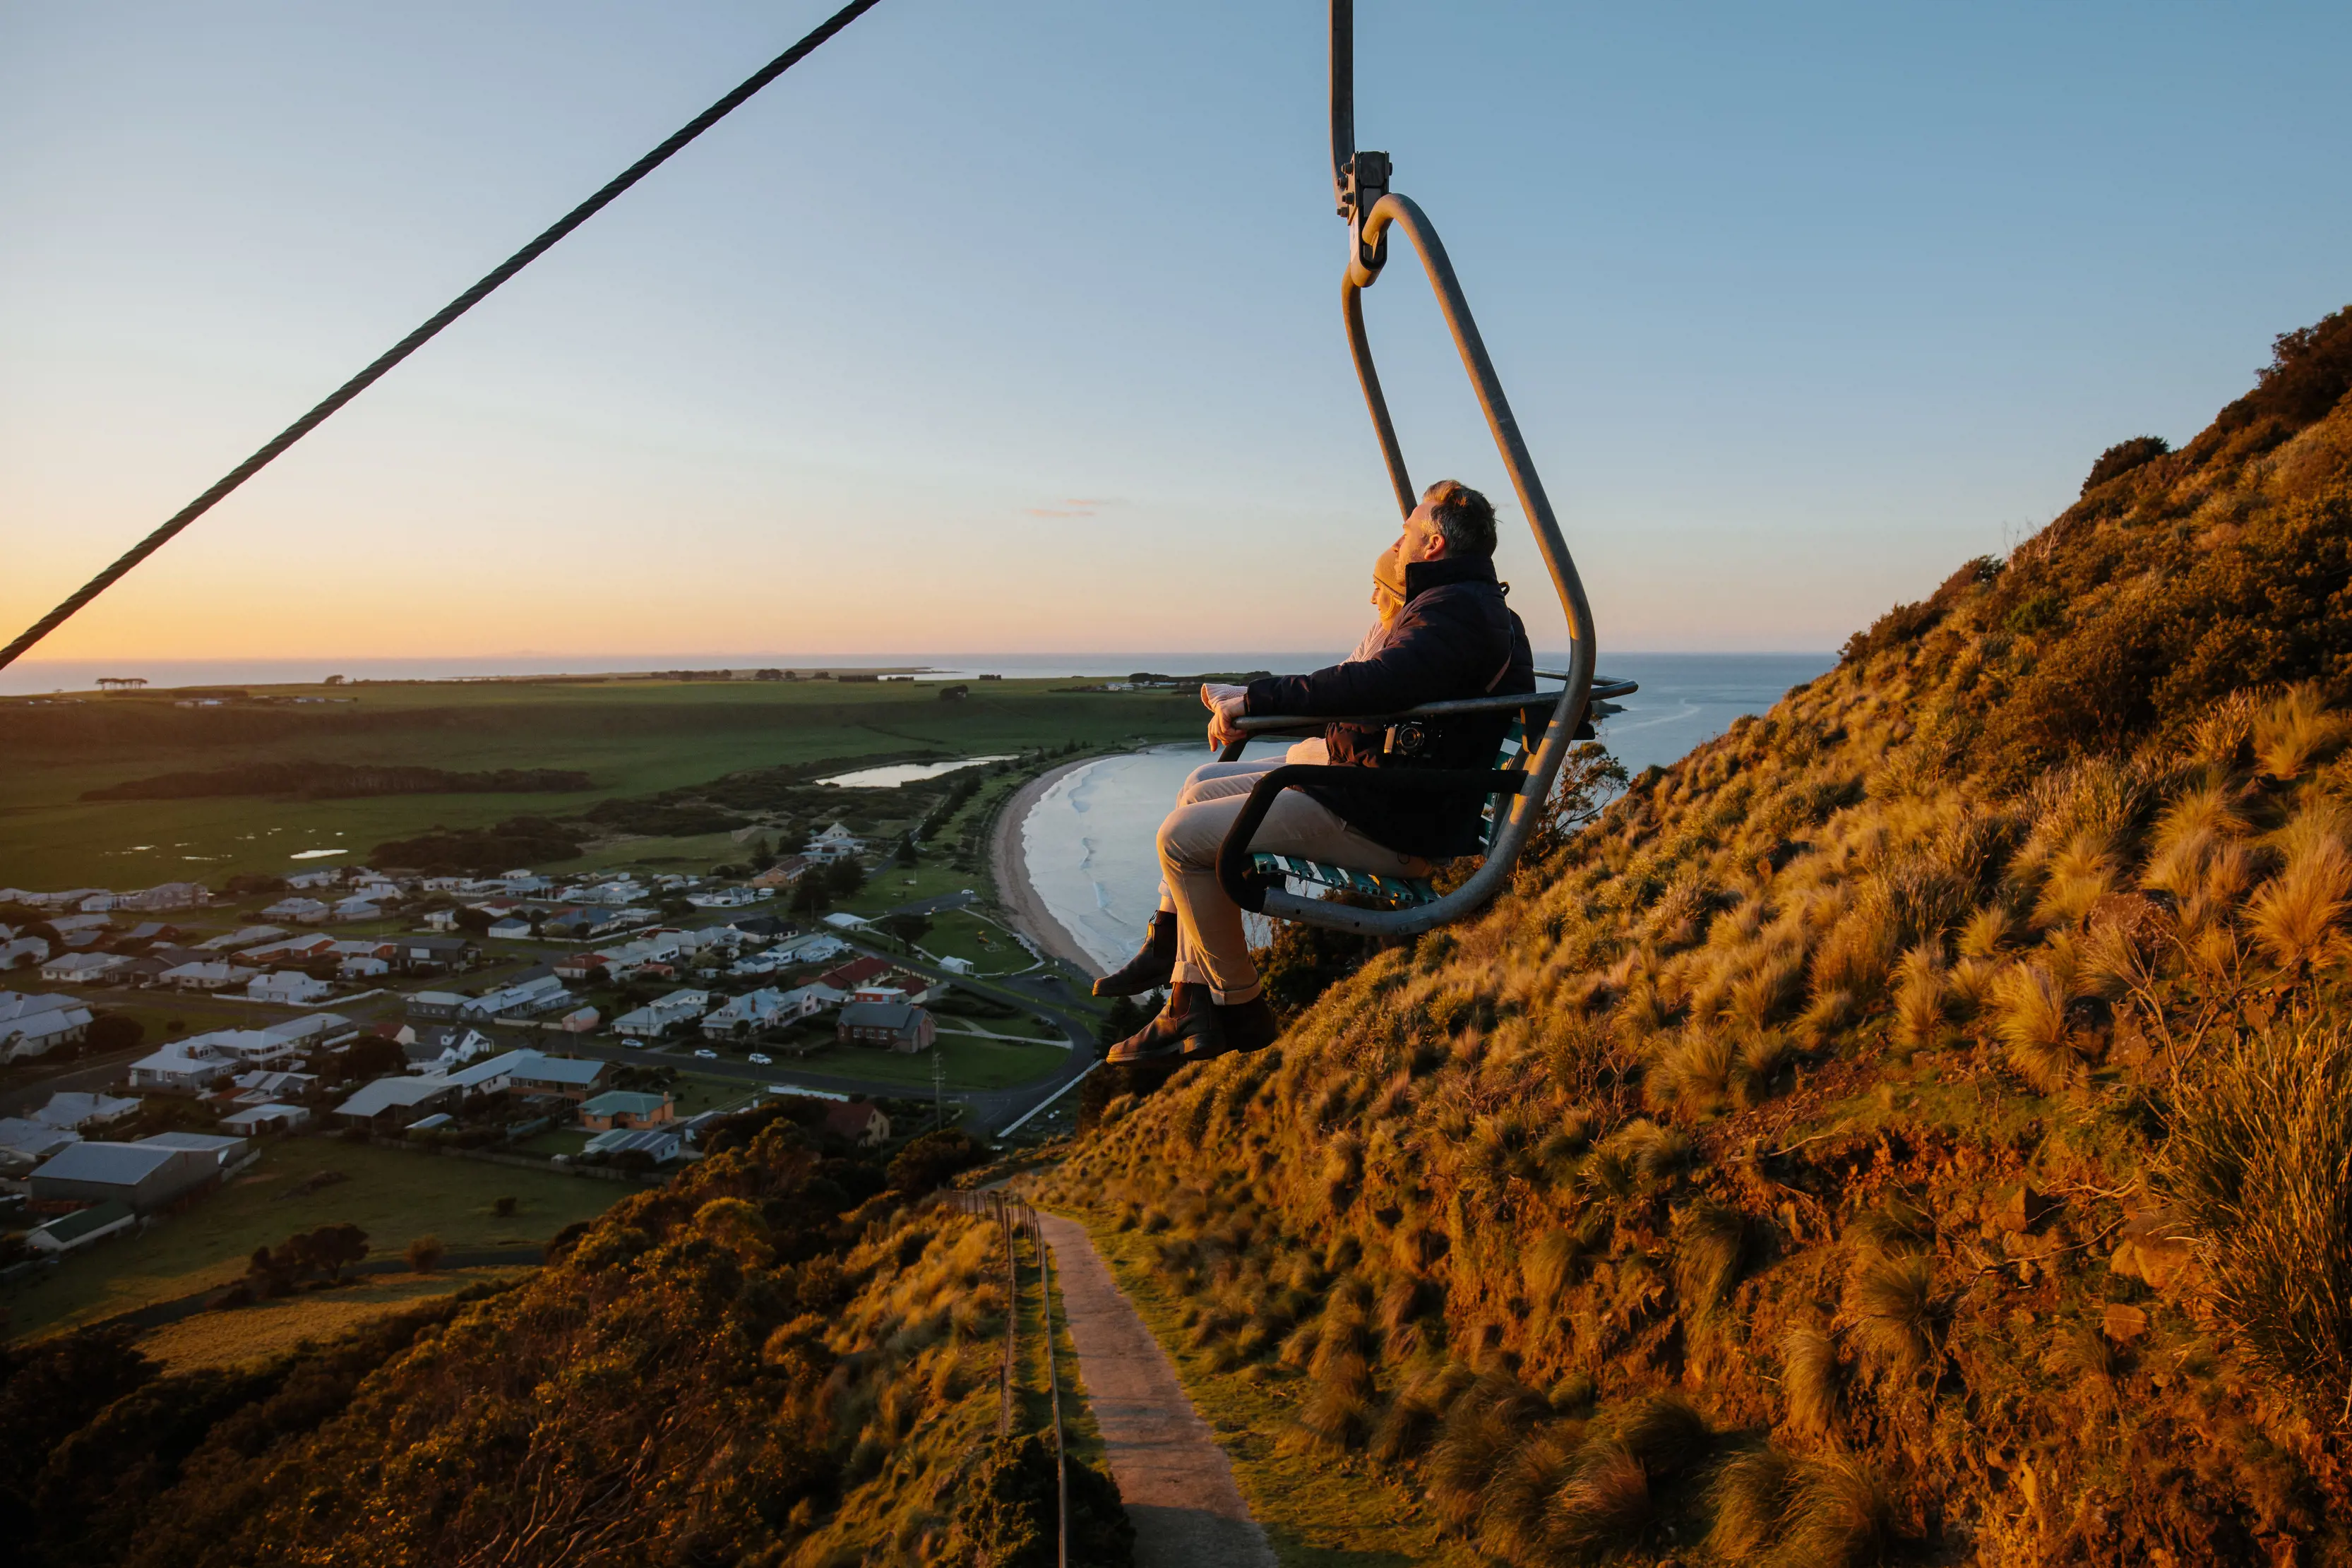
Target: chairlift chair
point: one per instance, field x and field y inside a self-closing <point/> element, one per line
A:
<point x="1521" y="780"/>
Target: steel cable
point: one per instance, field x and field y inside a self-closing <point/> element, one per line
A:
<point x="425" y="333"/>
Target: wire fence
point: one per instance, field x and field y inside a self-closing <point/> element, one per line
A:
<point x="1014" y="1217"/>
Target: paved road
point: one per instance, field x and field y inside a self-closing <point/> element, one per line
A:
<point x="1177" y="1484"/>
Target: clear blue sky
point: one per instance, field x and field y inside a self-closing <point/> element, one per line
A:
<point x="1016" y="326"/>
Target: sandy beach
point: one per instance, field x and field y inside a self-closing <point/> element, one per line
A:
<point x="1023" y="908"/>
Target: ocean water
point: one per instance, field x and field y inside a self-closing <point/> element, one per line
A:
<point x="1088" y="841"/>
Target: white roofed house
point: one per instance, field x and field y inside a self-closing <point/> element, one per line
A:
<point x="443" y="1045"/>
<point x="513" y="928"/>
<point x="81" y="1113"/>
<point x="356" y="908"/>
<point x="79" y="930"/>
<point x="290" y="987"/>
<point x="26" y="1143"/>
<point x="184" y="1067"/>
<point x="664" y="1013"/>
<point x="762" y="1009"/>
<point x="836" y="842"/>
<point x="302" y="911"/>
<point x="18" y="950"/>
<point x="561" y="1077"/>
<point x="397" y="1102"/>
<point x="35" y="1023"/>
<point x="660" y="1145"/>
<point x="244" y="937"/>
<point x="82" y="968"/>
<point x="271" y="1116"/>
<point x="325" y="876"/>
<point x="538" y="993"/>
<point x="217" y="975"/>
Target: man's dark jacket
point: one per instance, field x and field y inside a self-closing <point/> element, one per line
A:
<point x="1454" y="638"/>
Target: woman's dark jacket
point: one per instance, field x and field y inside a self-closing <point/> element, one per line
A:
<point x="1454" y="638"/>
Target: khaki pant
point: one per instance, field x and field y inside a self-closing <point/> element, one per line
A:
<point x="1212" y="949"/>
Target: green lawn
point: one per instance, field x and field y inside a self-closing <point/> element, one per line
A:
<point x="631" y="737"/>
<point x="971" y="1063"/>
<point x="392" y="1195"/>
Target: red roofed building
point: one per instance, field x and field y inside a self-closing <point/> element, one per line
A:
<point x="859" y="1121"/>
<point x="854" y="972"/>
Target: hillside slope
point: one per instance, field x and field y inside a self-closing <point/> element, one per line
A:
<point x="745" y="1365"/>
<point x="1917" y="1124"/>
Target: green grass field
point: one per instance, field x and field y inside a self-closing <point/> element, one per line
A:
<point x="270" y="1328"/>
<point x="632" y="738"/>
<point x="392" y="1195"/>
<point x="971" y="1063"/>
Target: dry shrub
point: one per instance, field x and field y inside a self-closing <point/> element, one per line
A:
<point x="1970" y="985"/>
<point x="1810" y="1380"/>
<point x="1766" y="991"/>
<point x="1919" y="995"/>
<point x="1748" y="1497"/>
<point x="2031" y="1021"/>
<point x="2295" y="732"/>
<point x="2199" y="820"/>
<point x="1893" y="1229"/>
<point x="1853" y="958"/>
<point x="2097" y="801"/>
<point x="2224" y="735"/>
<point x="1839" y="1515"/>
<point x="1763" y="1058"/>
<point x="1897" y="1313"/>
<point x="2260" y="1161"/>
<point x="1986" y="932"/>
<point x="1604" y="1503"/>
<point x="2293" y="915"/>
<point x="1668" y="1435"/>
<point x="1710" y="1244"/>
<point x="2086" y="1355"/>
<point x="1481" y="1428"/>
<point x="1698" y="1071"/>
<point x="2083" y="871"/>
<point x="1826" y="1013"/>
<point x="1405" y="1427"/>
<point x="1549" y="1266"/>
<point x="1513" y="1519"/>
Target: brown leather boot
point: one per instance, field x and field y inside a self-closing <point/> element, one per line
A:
<point x="1245" y="1026"/>
<point x="1190" y="1011"/>
<point x="1150" y="968"/>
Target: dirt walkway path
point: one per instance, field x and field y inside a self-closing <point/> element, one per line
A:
<point x="1176" y="1481"/>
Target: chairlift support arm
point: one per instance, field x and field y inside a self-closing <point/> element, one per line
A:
<point x="1361" y="183"/>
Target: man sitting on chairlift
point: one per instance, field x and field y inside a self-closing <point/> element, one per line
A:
<point x="1454" y="638"/>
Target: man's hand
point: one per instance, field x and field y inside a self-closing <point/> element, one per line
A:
<point x="1226" y="705"/>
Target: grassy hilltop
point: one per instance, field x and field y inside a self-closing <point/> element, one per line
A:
<point x="1917" y="1124"/>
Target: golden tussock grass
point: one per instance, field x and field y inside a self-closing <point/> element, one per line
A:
<point x="1898" y="1314"/>
<point x="1809" y="1382"/>
<point x="2030" y="1022"/>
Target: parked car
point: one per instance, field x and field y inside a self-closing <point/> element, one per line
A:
<point x="707" y="1054"/>
<point x="633" y="1045"/>
<point x="760" y="1061"/>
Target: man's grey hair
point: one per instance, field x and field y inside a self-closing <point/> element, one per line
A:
<point x="1466" y="517"/>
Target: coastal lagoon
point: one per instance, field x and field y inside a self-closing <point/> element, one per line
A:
<point x="1089" y="841"/>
